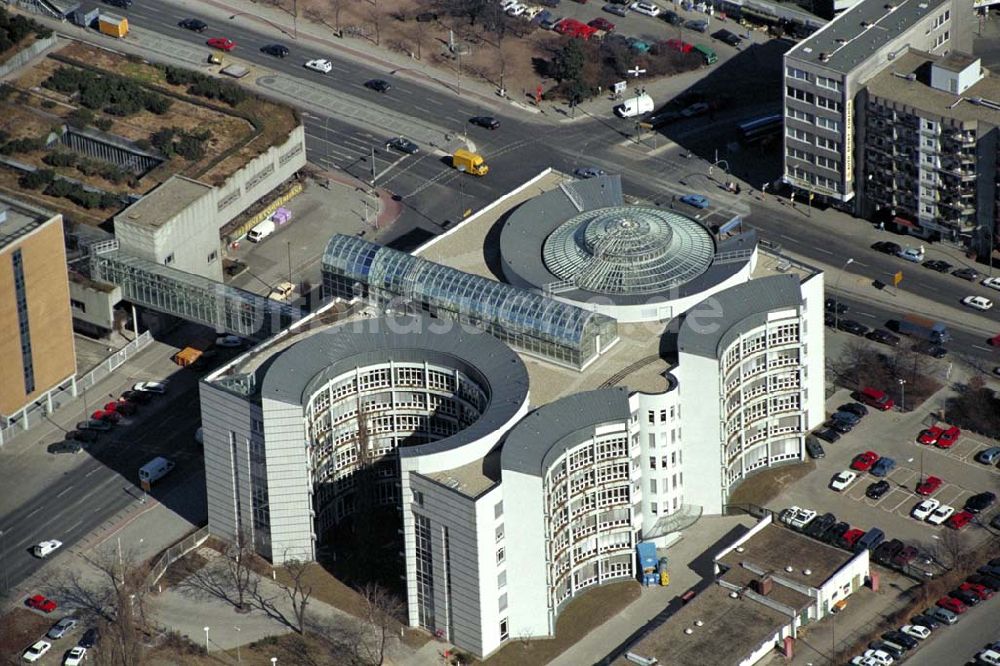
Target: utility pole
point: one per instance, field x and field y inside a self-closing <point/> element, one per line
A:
<point x="289" y="245"/>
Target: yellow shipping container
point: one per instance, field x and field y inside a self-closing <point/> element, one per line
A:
<point x="115" y="26"/>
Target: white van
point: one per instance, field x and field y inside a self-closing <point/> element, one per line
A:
<point x="637" y="105"/>
<point x="261" y="231"/>
<point x="46" y="547"/>
<point x="155" y="469"/>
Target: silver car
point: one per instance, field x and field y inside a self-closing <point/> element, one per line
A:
<point x="62" y="627"/>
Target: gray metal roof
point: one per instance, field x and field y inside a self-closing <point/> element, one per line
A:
<point x="855" y="35"/>
<point x="297" y="372"/>
<point x="164" y="203"/>
<point x="710" y="325"/>
<point x="541" y="436"/>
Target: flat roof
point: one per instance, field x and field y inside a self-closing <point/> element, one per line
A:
<point x="20" y="220"/>
<point x="851" y="38"/>
<point x="892" y="85"/>
<point x="781" y="594"/>
<point x="731" y="630"/>
<point x="775" y="548"/>
<point x="164" y="203"/>
<point x="472" y="479"/>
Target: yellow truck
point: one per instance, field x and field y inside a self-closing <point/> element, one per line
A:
<point x="114" y="26"/>
<point x="469" y="162"/>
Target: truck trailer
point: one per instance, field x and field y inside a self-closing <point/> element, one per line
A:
<point x="924" y="328"/>
<point x="114" y="26"/>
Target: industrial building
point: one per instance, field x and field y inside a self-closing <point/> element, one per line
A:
<point x="516" y="433"/>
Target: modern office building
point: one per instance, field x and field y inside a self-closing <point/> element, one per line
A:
<point x="523" y="476"/>
<point x="931" y="147"/>
<point x="824" y="79"/>
<point x="37" y="348"/>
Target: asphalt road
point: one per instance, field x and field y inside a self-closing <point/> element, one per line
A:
<point x="977" y="627"/>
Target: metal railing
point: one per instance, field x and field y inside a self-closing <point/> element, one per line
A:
<point x="174" y="553"/>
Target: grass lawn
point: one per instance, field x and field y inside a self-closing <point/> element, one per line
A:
<point x="764" y="486"/>
<point x="578" y="619"/>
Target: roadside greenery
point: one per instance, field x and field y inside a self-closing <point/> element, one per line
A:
<point x="115" y="95"/>
<point x="59" y="187"/>
<point x="14" y="28"/>
<point x="205" y="86"/>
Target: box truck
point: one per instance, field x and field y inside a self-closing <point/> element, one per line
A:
<point x="924" y="328"/>
<point x="115" y="26"/>
<point x="635" y="106"/>
<point x="261" y="231"/>
<point x="469" y="162"/>
<point x="155" y="469"/>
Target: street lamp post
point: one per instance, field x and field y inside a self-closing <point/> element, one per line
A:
<point x="3" y="561"/>
<point x="274" y="660"/>
<point x="836" y="298"/>
<point x="239" y="659"/>
<point x="206" y="640"/>
<point x="902" y="395"/>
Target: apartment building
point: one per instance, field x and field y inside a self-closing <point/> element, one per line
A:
<point x="931" y="148"/>
<point x="825" y="75"/>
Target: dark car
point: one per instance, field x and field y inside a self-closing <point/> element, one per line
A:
<point x="829" y="319"/>
<point x="841" y="427"/>
<point x="123" y="4"/>
<point x="834" y="305"/>
<point x="276" y="50"/>
<point x="852" y="327"/>
<point x="378" y="85"/>
<point x="828" y="435"/>
<point x="850" y="418"/>
<point x="814" y="448"/>
<point x="932" y="350"/>
<point x="967" y="598"/>
<point x="402" y="144"/>
<point x="980" y="502"/>
<point x="924" y="620"/>
<point x="617" y="10"/>
<point x="992" y="582"/>
<point x="671" y="17"/>
<point x="93" y="424"/>
<point x="883" y="336"/>
<point x="86" y="436"/>
<point x="855" y="408"/>
<point x="727" y="37"/>
<point x="67" y="446"/>
<point x="833" y="534"/>
<point x="193" y="24"/>
<point x="877" y="489"/>
<point x="938" y="265"/>
<point x="140" y="397"/>
<point x="489" y="122"/>
<point x="966" y="274"/>
<point x="899" y="638"/>
<point x="697" y="25"/>
<point x="887" y="247"/>
<point x="818" y="526"/>
<point x="905" y="556"/>
<point x="89" y="639"/>
<point x="886" y="551"/>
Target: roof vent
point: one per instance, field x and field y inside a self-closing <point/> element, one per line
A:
<point x="739" y="549"/>
<point x="807" y="572"/>
<point x="699" y="623"/>
<point x="689" y="631"/>
<point x="734" y="595"/>
<point x="789" y="568"/>
<point x="865" y="24"/>
<point x="824" y="57"/>
<point x="840" y="40"/>
<point x="890" y="7"/>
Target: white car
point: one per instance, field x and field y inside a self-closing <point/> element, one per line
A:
<point x="880" y="657"/>
<point x="37" y="651"/>
<point x="841" y="480"/>
<point x="992" y="283"/>
<point x="925" y="508"/>
<point x="863" y="661"/>
<point x="507" y="4"/>
<point x="803" y="518"/>
<point x="516" y="10"/>
<point x="647" y="8"/>
<point x="916" y="630"/>
<point x="46" y="547"/>
<point x="989" y="656"/>
<point x="75" y="656"/>
<point x="978" y="302"/>
<point x="916" y="255"/>
<point x="151" y="387"/>
<point x="321" y="65"/>
<point x="531" y="11"/>
<point x="940" y="514"/>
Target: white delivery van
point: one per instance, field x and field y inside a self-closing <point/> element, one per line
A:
<point x="46" y="547"/>
<point x="261" y="231"/>
<point x="637" y="105"/>
<point x="155" y="469"/>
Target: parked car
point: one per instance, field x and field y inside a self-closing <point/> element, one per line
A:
<point x="980" y="591"/>
<point x="948" y="438"/>
<point x="817" y="527"/>
<point x="697" y="25"/>
<point x="588" y="172"/>
<point x="924" y="509"/>
<point x="617" y="10"/>
<point x="883" y="336"/>
<point x="880" y="657"/>
<point x="158" y="388"/>
<point x="930" y="435"/>
<point x="969" y="274"/>
<point x="727" y="37"/>
<point x="887" y="247"/>
<point x="966" y="598"/>
<point x="139" y="397"/>
<point x="839" y="426"/>
<point x="905" y="556"/>
<point x="985" y="580"/>
<point x="828" y="435"/>
<point x="321" y="65"/>
<point x="893" y="650"/>
<point x="980" y="502"/>
<point x="977" y="302"/>
<point x="75" y="656"/>
<point x="942" y="513"/>
<point x="989" y="456"/>
<point x="944" y="615"/>
<point x="929" y="486"/>
<point x="938" y="265"/>
<point x="84" y="436"/>
<point x="855" y="408"/>
<point x="884" y="554"/>
<point x="930" y="349"/>
<point x="914" y="254"/>
<point x="695" y="200"/>
<point x="814" y="448"/>
<point x="193" y="24"/>
<point x="93" y="424"/>
<point x="221" y="43"/>
<point x="864" y="461"/>
<point x="878" y="489"/>
<point x="849" y="418"/>
<point x="645" y="8"/>
<point x="90" y="638"/>
<point x="852" y="327"/>
<point x="671" y="17"/>
<point x="835" y="533"/>
<point x="900" y="638"/>
<point x="488" y="122"/>
<point x="926" y="621"/>
<point x="841" y="480"/>
<point x="65" y="446"/>
<point x="36" y="651"/>
<point x="112" y="417"/>
<point x="952" y="604"/>
<point x="602" y="24"/>
<point x="883" y="466"/>
<point x="850" y="538"/>
<point x="960" y="520"/>
<point x="62" y="627"/>
<point x="992" y="282"/>
<point x="39" y="602"/>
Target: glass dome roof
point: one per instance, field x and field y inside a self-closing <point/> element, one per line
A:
<point x="628" y="250"/>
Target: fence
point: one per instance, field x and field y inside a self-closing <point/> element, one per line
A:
<point x="35" y="413"/>
<point x="23" y="56"/>
<point x="174" y="553"/>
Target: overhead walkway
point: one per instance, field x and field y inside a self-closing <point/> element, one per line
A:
<point x="190" y="297"/>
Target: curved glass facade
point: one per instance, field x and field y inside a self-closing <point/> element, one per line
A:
<point x="525" y="320"/>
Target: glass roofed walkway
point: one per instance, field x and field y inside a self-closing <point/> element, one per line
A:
<point x="192" y="297"/>
<point x="532" y="323"/>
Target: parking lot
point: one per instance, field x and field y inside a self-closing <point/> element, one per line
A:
<point x="893" y="434"/>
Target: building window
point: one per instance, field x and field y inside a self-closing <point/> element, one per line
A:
<point x="504" y="631"/>
<point x="830" y="84"/>
<point x="503" y="602"/>
<point x="212" y="256"/>
<point x="796" y="73"/>
<point x="828" y="123"/>
<point x="827" y="103"/>
<point x="800" y="115"/>
<point x="651" y="416"/>
<point x="828" y="144"/>
<point x="652" y="508"/>
<point x="663" y="416"/>
<point x="800" y="95"/>
<point x="78" y="305"/>
<point x="673" y="458"/>
<point x="169" y="259"/>
<point x="21" y="299"/>
<point x="418" y="498"/>
<point x="499" y="533"/>
<point x="502" y="579"/>
<point x="800" y="154"/>
<point x="652" y="485"/>
<point x="498" y="509"/>
<point x="652" y="440"/>
<point x="652" y="462"/>
<point x="827" y="163"/>
<point x="425" y="571"/>
<point x="800" y="135"/>
<point x="501" y="555"/>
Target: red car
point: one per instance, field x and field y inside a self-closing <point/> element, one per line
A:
<point x="929" y="486"/>
<point x="602" y="24"/>
<point x="930" y="435"/>
<point x="221" y="43"/>
<point x="864" y="461"/>
<point x="980" y="591"/>
<point x="948" y="438"/>
<point x="960" y="520"/>
<point x="679" y="45"/>
<point x="38" y="602"/>
<point x="111" y="416"/>
<point x="123" y="407"/>
<point x="954" y="605"/>
<point x="850" y="538"/>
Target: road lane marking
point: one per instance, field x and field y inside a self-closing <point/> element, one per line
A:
<point x="96" y="469"/>
<point x="420" y="108"/>
<point x="75" y="525"/>
<point x="34" y="512"/>
<point x="63" y="491"/>
<point x="454" y="120"/>
<point x="867" y="314"/>
<point x="981" y="348"/>
<point x="823" y="251"/>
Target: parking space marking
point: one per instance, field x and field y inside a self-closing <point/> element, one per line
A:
<point x="63" y="491"/>
<point x="905" y="499"/>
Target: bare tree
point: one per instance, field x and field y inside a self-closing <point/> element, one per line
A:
<point x="952" y="548"/>
<point x="238" y="556"/>
<point x="375" y="16"/>
<point x="337" y="6"/>
<point x="123" y="620"/>
<point x="298" y="591"/>
<point x="382" y="612"/>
